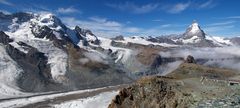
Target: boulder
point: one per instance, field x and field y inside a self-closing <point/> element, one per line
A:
<point x="190" y="59"/>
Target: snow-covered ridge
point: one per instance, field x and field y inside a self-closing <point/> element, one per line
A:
<point x="23" y="32"/>
<point x="194" y="39"/>
<point x="220" y="40"/>
<point x="143" y="41"/>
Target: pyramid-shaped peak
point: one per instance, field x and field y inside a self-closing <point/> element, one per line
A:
<point x="194" y="27"/>
<point x="194" y="30"/>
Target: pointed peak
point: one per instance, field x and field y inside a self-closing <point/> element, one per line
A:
<point x="194" y="27"/>
<point x="194" y="30"/>
<point x="194" y="21"/>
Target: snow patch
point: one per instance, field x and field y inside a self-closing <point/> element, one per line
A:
<point x="122" y="53"/>
<point x="57" y="34"/>
<point x="194" y="28"/>
<point x="99" y="101"/>
<point x="20" y="48"/>
<point x="143" y="41"/>
<point x="31" y="100"/>
<point x="219" y="40"/>
<point x="194" y="39"/>
<point x="57" y="58"/>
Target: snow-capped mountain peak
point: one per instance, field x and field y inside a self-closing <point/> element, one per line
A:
<point x="194" y="27"/>
<point x="194" y="30"/>
<point x="48" y="19"/>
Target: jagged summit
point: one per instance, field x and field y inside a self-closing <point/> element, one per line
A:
<point x="194" y="30"/>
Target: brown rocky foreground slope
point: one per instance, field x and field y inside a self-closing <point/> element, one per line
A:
<point x="190" y="85"/>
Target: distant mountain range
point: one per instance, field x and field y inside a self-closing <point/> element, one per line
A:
<point x="39" y="53"/>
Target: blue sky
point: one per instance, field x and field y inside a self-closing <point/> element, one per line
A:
<point x="138" y="17"/>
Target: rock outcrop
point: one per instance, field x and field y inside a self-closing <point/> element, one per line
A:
<point x="190" y="59"/>
<point x="118" y="38"/>
<point x="151" y="92"/>
<point x="4" y="39"/>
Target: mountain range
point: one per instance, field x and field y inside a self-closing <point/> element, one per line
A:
<point x="40" y="54"/>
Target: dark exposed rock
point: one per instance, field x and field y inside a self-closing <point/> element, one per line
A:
<point x="4" y="38"/>
<point x="119" y="38"/>
<point x="46" y="32"/>
<point x="22" y="16"/>
<point x="110" y="51"/>
<point x="42" y="32"/>
<point x="161" y="40"/>
<point x="81" y="33"/>
<point x="157" y="62"/>
<point x="235" y="40"/>
<point x="149" y="92"/>
<point x="190" y="59"/>
<point x="35" y="66"/>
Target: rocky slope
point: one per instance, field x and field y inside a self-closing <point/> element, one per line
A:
<point x="190" y="85"/>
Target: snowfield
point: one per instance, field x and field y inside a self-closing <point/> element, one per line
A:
<point x="139" y="40"/>
<point x="99" y="101"/>
<point x="102" y="99"/>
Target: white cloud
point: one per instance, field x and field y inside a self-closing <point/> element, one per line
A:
<point x="101" y="26"/>
<point x="219" y="27"/>
<point x="107" y="28"/>
<point x="233" y="17"/>
<point x="6" y="2"/>
<point x="5" y="12"/>
<point x="214" y="29"/>
<point x="222" y="23"/>
<point x="134" y="8"/>
<point x="105" y="22"/>
<point x="166" y="25"/>
<point x="157" y="20"/>
<point x="179" y="7"/>
<point x="68" y="10"/>
<point x="207" y="4"/>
